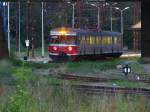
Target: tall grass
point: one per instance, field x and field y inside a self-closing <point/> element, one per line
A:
<point x="35" y="93"/>
<point x="54" y="99"/>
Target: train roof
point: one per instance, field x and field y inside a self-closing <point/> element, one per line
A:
<point x="110" y="33"/>
<point x="75" y="31"/>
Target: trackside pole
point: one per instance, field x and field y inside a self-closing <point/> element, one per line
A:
<point x="42" y="31"/>
<point x="8" y="30"/>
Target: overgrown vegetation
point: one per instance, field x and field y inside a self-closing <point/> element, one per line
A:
<point x="125" y="83"/>
<point x="35" y="93"/>
<point x="92" y="66"/>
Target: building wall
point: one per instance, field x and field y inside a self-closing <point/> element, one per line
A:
<point x="145" y="30"/>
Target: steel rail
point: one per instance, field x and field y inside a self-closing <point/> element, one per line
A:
<point x="97" y="79"/>
<point x="103" y="89"/>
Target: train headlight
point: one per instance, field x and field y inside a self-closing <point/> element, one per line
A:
<point x="70" y="48"/>
<point x="55" y="48"/>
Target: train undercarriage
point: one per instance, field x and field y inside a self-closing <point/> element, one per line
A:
<point x="64" y="57"/>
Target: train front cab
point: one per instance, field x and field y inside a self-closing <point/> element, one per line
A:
<point x="63" y="47"/>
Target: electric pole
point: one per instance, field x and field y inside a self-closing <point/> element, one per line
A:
<point x="17" y="26"/>
<point x="8" y="29"/>
<point x="42" y="29"/>
<point x="27" y="24"/>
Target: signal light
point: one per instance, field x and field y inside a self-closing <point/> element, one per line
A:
<point x="63" y="32"/>
<point x="70" y="48"/>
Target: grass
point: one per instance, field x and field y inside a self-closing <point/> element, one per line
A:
<point x="137" y="68"/>
<point x="125" y="83"/>
<point x="86" y="66"/>
<point x="65" y="99"/>
<point x="92" y="66"/>
<point x="104" y="65"/>
<point x="40" y="95"/>
<point x="34" y="93"/>
<point x="54" y="81"/>
<point x="6" y="68"/>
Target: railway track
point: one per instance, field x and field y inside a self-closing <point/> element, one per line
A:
<point x="98" y="79"/>
<point x="96" y="89"/>
<point x="88" y="89"/>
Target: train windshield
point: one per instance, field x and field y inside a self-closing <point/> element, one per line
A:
<point x="63" y="40"/>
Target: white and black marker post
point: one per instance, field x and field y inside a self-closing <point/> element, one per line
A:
<point x="126" y="69"/>
<point x="27" y="45"/>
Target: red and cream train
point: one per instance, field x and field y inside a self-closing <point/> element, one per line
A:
<point x="71" y="43"/>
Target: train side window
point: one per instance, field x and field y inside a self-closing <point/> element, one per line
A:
<point x="92" y="38"/>
<point x="104" y="40"/>
<point x="109" y="39"/>
<point x="85" y="42"/>
<point x="115" y="40"/>
<point x="82" y="40"/>
<point x="97" y="40"/>
<point x="88" y="40"/>
<point x="100" y="40"/>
